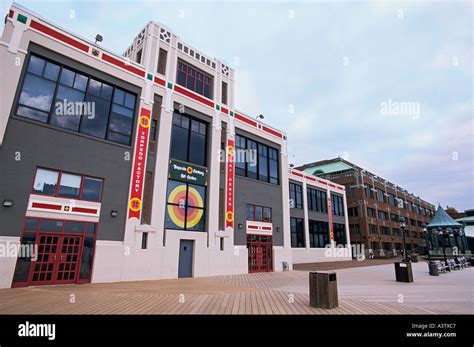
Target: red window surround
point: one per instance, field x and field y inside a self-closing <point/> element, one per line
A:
<point x="202" y="84"/>
<point x="60" y="172"/>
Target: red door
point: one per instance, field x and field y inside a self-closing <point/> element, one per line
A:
<point x="260" y="253"/>
<point x="58" y="259"/>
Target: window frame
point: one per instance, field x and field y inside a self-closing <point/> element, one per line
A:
<point x="60" y="172"/>
<point x="296" y="193"/>
<point x="50" y="113"/>
<point x="195" y="70"/>
<point x="254" y="219"/>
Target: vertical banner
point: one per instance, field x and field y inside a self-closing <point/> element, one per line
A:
<point x="331" y="229"/>
<point x="229" y="210"/>
<point x="139" y="161"/>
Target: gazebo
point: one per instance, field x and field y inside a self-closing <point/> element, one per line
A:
<point x="445" y="236"/>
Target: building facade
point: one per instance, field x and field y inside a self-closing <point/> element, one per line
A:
<point x="132" y="167"/>
<point x="374" y="207"/>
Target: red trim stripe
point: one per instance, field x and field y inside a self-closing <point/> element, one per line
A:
<point x="160" y="81"/>
<point x="84" y="210"/>
<point x="340" y="188"/>
<point x="273" y="132"/>
<point x="122" y="65"/>
<point x="245" y="119"/>
<point x="266" y="228"/>
<point x="46" y="206"/>
<point x="322" y="182"/>
<point x="297" y="174"/>
<point x="191" y="95"/>
<point x="224" y="110"/>
<point x="252" y="227"/>
<point x="332" y="185"/>
<point x="311" y="178"/>
<point x="61" y="37"/>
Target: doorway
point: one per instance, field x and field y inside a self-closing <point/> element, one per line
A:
<point x="260" y="253"/>
<point x="186" y="250"/>
<point x="58" y="259"/>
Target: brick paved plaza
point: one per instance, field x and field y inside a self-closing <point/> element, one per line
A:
<point x="362" y="290"/>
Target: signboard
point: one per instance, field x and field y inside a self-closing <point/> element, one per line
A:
<point x="189" y="173"/>
<point x="331" y="229"/>
<point x="139" y="161"/>
<point x="229" y="210"/>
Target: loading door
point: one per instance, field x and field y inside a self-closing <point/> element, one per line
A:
<point x="260" y="253"/>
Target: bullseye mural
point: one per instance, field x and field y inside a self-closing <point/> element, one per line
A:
<point x="185" y="206"/>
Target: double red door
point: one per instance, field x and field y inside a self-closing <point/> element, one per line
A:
<point x="58" y="259"/>
<point x="260" y="253"/>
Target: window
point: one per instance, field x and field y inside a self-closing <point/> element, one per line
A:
<point x="380" y="194"/>
<point x="54" y="94"/>
<point x="394" y="217"/>
<point x="354" y="229"/>
<point x="337" y="205"/>
<point x="317" y="200"/>
<point x="370" y="212"/>
<point x="162" y="61"/>
<point x="67" y="185"/>
<point x="339" y="233"/>
<point x="255" y="160"/>
<point x="368" y="191"/>
<point x="296" y="196"/>
<point x="297" y="232"/>
<point x="139" y="56"/>
<point x="353" y="212"/>
<point x="318" y="234"/>
<point x="262" y="162"/>
<point x="144" y="240"/>
<point x="224" y="93"/>
<point x="383" y="215"/>
<point x="384" y="231"/>
<point x="189" y="139"/>
<point x="373" y="228"/>
<point x="194" y="79"/>
<point x="395" y="232"/>
<point x="414" y="234"/>
<point x="259" y="213"/>
<point x="392" y="200"/>
<point x="185" y="206"/>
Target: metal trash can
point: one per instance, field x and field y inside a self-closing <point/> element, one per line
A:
<point x="433" y="269"/>
<point x="323" y="289"/>
<point x="285" y="266"/>
<point x="403" y="272"/>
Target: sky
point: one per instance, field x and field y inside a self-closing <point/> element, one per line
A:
<point x="387" y="85"/>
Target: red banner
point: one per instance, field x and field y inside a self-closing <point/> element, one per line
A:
<point x="139" y="161"/>
<point x="331" y="229"/>
<point x="229" y="211"/>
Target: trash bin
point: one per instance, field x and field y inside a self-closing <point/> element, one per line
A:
<point x="323" y="289"/>
<point x="403" y="272"/>
<point x="414" y="258"/>
<point x="285" y="266"/>
<point x="433" y="269"/>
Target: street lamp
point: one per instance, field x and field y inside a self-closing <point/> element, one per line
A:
<point x="440" y="233"/>
<point x="427" y="240"/>
<point x="403" y="225"/>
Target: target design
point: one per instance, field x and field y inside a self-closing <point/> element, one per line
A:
<point x="180" y="209"/>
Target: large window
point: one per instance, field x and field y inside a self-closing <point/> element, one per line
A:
<point x="383" y="215"/>
<point x="255" y="160"/>
<point x="189" y="139"/>
<point x="296" y="195"/>
<point x="258" y="213"/>
<point x="67" y="185"/>
<point x="380" y="195"/>
<point x="194" y="79"/>
<point x="317" y="200"/>
<point x="368" y="191"/>
<point x="337" y="205"/>
<point x="185" y="206"/>
<point x="339" y="233"/>
<point x="55" y="94"/>
<point x="297" y="232"/>
<point x="318" y="234"/>
<point x="371" y="212"/>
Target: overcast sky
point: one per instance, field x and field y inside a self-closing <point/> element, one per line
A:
<point x="331" y="74"/>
